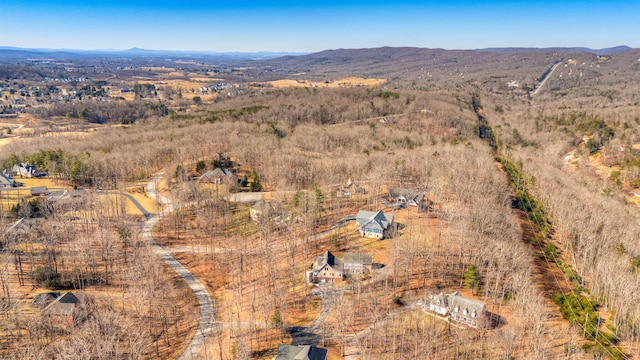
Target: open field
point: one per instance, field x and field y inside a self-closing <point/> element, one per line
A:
<point x="340" y="83"/>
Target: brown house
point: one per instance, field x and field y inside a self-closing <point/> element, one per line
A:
<point x="327" y="269"/>
<point x="66" y="311"/>
<point x="349" y="189"/>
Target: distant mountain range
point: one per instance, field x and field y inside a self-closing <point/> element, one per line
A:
<point x="261" y="55"/>
<point x="8" y="51"/>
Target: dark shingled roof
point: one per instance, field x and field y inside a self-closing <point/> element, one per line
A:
<point x="330" y="259"/>
<point x="65" y="304"/>
<point x="301" y="352"/>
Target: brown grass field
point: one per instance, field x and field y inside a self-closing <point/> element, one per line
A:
<point x="344" y="82"/>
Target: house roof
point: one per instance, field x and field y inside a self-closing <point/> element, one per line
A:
<point x="24" y="167"/>
<point x="374" y="219"/>
<point x="44" y="299"/>
<point x="350" y="185"/>
<point x="267" y="207"/>
<point x="216" y="173"/>
<point x="39" y="190"/>
<point x="462" y="305"/>
<point x="6" y="180"/>
<point x="327" y="258"/>
<point x="440" y="300"/>
<point x="408" y="194"/>
<point x="301" y="352"/>
<point x="358" y="258"/>
<point x="65" y="304"/>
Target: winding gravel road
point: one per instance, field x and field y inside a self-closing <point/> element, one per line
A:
<point x="206" y="323"/>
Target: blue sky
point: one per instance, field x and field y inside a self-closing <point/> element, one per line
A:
<point x="308" y="26"/>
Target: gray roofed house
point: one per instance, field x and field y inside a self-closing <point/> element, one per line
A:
<point x="373" y="224"/>
<point x="407" y="197"/>
<point x="267" y="210"/>
<point x="357" y="263"/>
<point x="460" y="309"/>
<point x="6" y="181"/>
<point x="327" y="268"/>
<point x="65" y="311"/>
<point x="217" y="176"/>
<point x="43" y="299"/>
<point x="300" y="352"/>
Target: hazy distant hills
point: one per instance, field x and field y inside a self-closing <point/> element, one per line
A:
<point x="379" y="54"/>
<point x="419" y="65"/>
<point x="387" y="62"/>
<point x="453" y="67"/>
<point x="566" y="50"/>
<point x="7" y="51"/>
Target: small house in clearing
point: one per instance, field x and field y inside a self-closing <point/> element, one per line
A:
<point x="265" y="210"/>
<point x="458" y="308"/>
<point x="218" y="176"/>
<point x="373" y="224"/>
<point x="406" y="197"/>
<point x="350" y="188"/>
<point x="327" y="268"/>
<point x="300" y="352"/>
<point x="66" y="311"/>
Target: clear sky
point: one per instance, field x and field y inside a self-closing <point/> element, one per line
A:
<point x="309" y="26"/>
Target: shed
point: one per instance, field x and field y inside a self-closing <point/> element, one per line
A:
<point x="39" y="191"/>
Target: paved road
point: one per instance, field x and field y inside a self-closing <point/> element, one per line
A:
<point x="546" y="78"/>
<point x="206" y="323"/>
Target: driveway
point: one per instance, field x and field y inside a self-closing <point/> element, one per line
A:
<point x="206" y="323"/>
